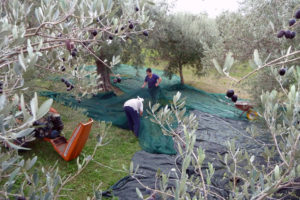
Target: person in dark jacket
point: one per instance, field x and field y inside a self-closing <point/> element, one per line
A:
<point x="152" y="79"/>
<point x="153" y="82"/>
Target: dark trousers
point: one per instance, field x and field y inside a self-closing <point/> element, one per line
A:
<point x="154" y="94"/>
<point x="133" y="120"/>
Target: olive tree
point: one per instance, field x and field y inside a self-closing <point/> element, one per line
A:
<point x="63" y="35"/>
<point x="54" y="37"/>
<point x="177" y="39"/>
<point x="60" y="37"/>
<point x="255" y="26"/>
<point x="280" y="114"/>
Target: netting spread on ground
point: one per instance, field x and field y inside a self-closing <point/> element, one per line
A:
<point x="109" y="107"/>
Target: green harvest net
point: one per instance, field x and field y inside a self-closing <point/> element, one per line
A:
<point x="109" y="107"/>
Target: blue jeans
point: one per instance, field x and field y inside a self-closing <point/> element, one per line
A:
<point x="133" y="120"/>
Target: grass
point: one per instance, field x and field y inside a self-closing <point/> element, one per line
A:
<point x="212" y="81"/>
<point x="115" y="154"/>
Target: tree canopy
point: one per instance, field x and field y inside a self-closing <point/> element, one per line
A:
<point x="177" y="38"/>
<point x="50" y="34"/>
<point x="255" y="26"/>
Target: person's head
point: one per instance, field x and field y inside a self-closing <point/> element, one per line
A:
<point x="149" y="71"/>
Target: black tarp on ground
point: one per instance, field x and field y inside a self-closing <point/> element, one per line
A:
<point x="212" y="135"/>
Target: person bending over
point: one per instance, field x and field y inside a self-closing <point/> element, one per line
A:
<point x="134" y="109"/>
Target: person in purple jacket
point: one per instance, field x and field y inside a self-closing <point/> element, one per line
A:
<point x="153" y="82"/>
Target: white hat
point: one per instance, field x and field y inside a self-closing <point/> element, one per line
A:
<point x="140" y="99"/>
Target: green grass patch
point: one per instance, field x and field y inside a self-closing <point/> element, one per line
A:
<point x="212" y="81"/>
<point x="240" y="69"/>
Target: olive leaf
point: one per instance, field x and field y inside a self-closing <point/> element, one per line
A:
<point x="34" y="106"/>
<point x="277" y="172"/>
<point x="272" y="25"/>
<point x="24" y="111"/>
<point x="23" y="133"/>
<point x="257" y="59"/>
<point x="21" y="61"/>
<point x="139" y="193"/>
<point x="14" y="174"/>
<point x="217" y="66"/>
<point x="12" y="145"/>
<point x="228" y="62"/>
<point x="44" y="108"/>
<point x="2" y="101"/>
<point x="30" y="163"/>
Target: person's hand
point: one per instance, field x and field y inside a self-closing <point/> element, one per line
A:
<point x="143" y="86"/>
<point x="156" y="84"/>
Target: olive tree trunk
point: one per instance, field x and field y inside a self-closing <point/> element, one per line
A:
<point x="181" y="75"/>
<point x="105" y="76"/>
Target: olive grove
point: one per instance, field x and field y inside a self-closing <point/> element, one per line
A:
<point x="61" y="37"/>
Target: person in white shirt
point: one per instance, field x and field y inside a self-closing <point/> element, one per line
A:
<point x="134" y="109"/>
